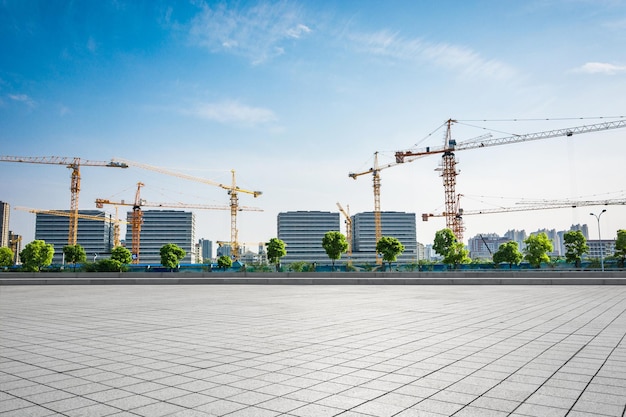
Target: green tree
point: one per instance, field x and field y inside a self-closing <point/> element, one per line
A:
<point x="275" y="251"/>
<point x="334" y="243"/>
<point x="36" y="255"/>
<point x="575" y="246"/>
<point x="74" y="254"/>
<point x="224" y="262"/>
<point x="620" y="247"/>
<point x="508" y="252"/>
<point x="389" y="247"/>
<point x="6" y="257"/>
<point x="453" y="251"/>
<point x="122" y="255"/>
<point x="537" y="248"/>
<point x="171" y="255"/>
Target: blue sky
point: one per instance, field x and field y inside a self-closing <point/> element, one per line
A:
<point x="295" y="95"/>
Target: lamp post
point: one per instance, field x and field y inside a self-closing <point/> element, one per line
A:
<point x="597" y="216"/>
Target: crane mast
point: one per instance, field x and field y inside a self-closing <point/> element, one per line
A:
<point x="375" y="171"/>
<point x="346" y="214"/>
<point x="449" y="172"/>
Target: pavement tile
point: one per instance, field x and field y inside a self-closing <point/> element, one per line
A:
<point x="535" y="410"/>
<point x="31" y="411"/>
<point x="220" y="407"/>
<point x="95" y="410"/>
<point x="158" y="409"/>
<point x="472" y="411"/>
<point x="69" y="404"/>
<point x="378" y="409"/>
<point x="131" y="402"/>
<point x="316" y="410"/>
<point x="599" y="408"/>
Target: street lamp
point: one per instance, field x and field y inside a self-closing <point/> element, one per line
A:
<point x="597" y="216"/>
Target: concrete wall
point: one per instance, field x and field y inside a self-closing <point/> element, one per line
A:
<point x="539" y="277"/>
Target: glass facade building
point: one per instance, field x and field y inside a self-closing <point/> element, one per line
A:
<point x="303" y="231"/>
<point x="160" y="227"/>
<point x="95" y="236"/>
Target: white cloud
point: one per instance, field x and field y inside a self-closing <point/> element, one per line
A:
<point x="297" y="31"/>
<point x="233" y="112"/>
<point x="600" y="68"/>
<point x="255" y="33"/>
<point x="23" y="98"/>
<point x="443" y="55"/>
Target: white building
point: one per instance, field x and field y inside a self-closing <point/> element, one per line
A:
<point x="396" y="224"/>
<point x="303" y="231"/>
<point x="95" y="237"/>
<point x="160" y="227"/>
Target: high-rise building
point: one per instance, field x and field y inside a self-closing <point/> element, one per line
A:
<point x="95" y="237"/>
<point x="554" y="238"/>
<point x="518" y="236"/>
<point x="206" y="249"/>
<point x="483" y="246"/>
<point x="4" y="224"/>
<point x="160" y="227"/>
<point x="303" y="231"/>
<point x="394" y="224"/>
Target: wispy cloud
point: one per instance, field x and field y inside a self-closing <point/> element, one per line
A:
<point x="24" y="99"/>
<point x="443" y="55"/>
<point x="232" y="112"/>
<point x="600" y="68"/>
<point x="257" y="33"/>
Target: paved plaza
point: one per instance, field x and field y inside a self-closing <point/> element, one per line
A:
<point x="312" y="350"/>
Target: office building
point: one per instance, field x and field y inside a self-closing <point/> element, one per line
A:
<point x="600" y="249"/>
<point x="394" y="224"/>
<point x="160" y="227"/>
<point x="95" y="237"/>
<point x="4" y="224"/>
<point x="303" y="231"/>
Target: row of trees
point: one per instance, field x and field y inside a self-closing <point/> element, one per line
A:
<point x="335" y="245"/>
<point x="38" y="254"/>
<point x="535" y="253"/>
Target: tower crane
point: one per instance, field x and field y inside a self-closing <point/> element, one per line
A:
<point x="74" y="164"/>
<point x="137" y="215"/>
<point x="375" y="171"/>
<point x="449" y="172"/>
<point x="346" y="214"/>
<point x="116" y="222"/>
<point x="232" y="189"/>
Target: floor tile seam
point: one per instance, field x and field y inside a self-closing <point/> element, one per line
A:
<point x="437" y="370"/>
<point x="601" y="366"/>
<point x="520" y="367"/>
<point x="553" y="374"/>
<point x="391" y="372"/>
<point x="38" y="405"/>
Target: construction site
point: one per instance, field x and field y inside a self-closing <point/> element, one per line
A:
<point x="134" y="208"/>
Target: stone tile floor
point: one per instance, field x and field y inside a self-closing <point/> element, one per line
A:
<point x="299" y="351"/>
